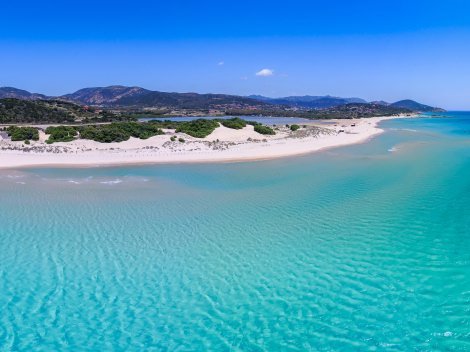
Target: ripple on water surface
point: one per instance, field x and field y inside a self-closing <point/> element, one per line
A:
<point x="334" y="251"/>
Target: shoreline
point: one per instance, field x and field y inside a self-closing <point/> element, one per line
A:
<point x="222" y="146"/>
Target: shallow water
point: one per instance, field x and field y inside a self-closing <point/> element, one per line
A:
<point x="365" y="247"/>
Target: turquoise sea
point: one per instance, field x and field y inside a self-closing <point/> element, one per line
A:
<point x="358" y="248"/>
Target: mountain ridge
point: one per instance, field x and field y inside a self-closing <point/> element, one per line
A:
<point x="11" y="92"/>
<point x="118" y="96"/>
<point x="122" y="96"/>
<point x="104" y="95"/>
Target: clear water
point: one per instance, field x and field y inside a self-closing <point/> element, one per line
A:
<point x="359" y="248"/>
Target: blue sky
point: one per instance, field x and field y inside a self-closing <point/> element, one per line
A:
<point x="387" y="50"/>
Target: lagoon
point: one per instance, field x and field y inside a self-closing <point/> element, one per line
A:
<point x="265" y="120"/>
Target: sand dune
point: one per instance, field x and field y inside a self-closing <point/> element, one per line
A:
<point x="223" y="145"/>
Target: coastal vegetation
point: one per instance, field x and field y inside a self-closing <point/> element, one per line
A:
<point x="61" y="134"/>
<point x="234" y="123"/>
<point x="294" y="128"/>
<point x="106" y="133"/>
<point x="122" y="131"/>
<point x="23" y="133"/>
<point x="119" y="131"/>
<point x="262" y="129"/>
<point x="166" y="124"/>
<point x="237" y="123"/>
<point x="199" y="128"/>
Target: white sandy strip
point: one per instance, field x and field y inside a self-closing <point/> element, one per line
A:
<point x="232" y="145"/>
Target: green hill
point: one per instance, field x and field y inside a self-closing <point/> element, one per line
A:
<point x="415" y="106"/>
<point x="50" y="111"/>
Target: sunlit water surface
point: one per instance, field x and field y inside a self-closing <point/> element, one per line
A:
<point x="364" y="247"/>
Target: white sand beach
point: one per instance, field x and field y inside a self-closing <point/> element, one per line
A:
<point x="223" y="145"/>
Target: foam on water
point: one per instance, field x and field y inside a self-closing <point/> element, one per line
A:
<point x="351" y="249"/>
<point x="111" y="182"/>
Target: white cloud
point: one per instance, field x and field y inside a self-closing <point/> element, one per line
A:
<point x="221" y="63"/>
<point x="265" y="72"/>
